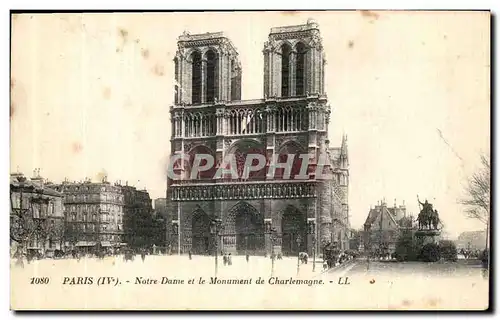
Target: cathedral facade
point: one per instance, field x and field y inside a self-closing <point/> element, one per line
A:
<point x="256" y="213"/>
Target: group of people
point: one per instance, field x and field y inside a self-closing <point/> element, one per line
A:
<point x="100" y="253"/>
<point x="338" y="258"/>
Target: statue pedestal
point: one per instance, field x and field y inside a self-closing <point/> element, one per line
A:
<point x="428" y="236"/>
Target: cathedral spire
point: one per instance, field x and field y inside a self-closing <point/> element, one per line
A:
<point x="343" y="147"/>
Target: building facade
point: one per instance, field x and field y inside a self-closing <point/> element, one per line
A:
<point x="258" y="213"/>
<point x="93" y="213"/>
<point x="383" y="226"/>
<point x="36" y="215"/>
<point x="96" y="212"/>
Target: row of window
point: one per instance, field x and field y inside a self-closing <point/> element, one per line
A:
<point x="81" y="188"/>
<point x="105" y="207"/>
<point x="94" y="197"/>
<point x="95" y="218"/>
<point x="93" y="227"/>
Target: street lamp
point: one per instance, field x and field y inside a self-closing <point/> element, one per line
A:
<point x="215" y="227"/>
<point x="312" y="231"/>
<point x="274" y="238"/>
<point x="175" y="233"/>
<point x="19" y="223"/>
<point x="299" y="241"/>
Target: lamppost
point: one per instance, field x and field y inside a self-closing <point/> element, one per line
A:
<point x="299" y="241"/>
<point x="215" y="227"/>
<point x="175" y="233"/>
<point x="312" y="231"/>
<point x="274" y="238"/>
<point x="19" y="215"/>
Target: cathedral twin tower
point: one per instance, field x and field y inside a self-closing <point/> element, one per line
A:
<point x="207" y="68"/>
<point x="256" y="214"/>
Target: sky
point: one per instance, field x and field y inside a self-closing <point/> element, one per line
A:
<point x="90" y="96"/>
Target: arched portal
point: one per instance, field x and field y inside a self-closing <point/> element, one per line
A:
<point x="293" y="227"/>
<point x="244" y="230"/>
<point x="285" y="70"/>
<point x="196" y="79"/>
<point x="201" y="237"/>
<point x="212" y="73"/>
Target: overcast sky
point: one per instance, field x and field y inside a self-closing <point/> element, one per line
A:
<point x="91" y="96"/>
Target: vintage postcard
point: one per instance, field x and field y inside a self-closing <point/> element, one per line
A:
<point x="322" y="160"/>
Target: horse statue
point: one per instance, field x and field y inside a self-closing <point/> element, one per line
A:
<point x="428" y="218"/>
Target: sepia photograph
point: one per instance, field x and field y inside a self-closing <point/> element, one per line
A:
<point x="250" y="160"/>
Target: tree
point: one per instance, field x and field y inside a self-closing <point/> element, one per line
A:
<point x="72" y="233"/>
<point x="477" y="198"/>
<point x="406" y="247"/>
<point x="448" y="250"/>
<point x="140" y="228"/>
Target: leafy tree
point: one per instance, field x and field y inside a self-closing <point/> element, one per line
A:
<point x="142" y="229"/>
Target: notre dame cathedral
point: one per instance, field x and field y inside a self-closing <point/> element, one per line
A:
<point x="257" y="214"/>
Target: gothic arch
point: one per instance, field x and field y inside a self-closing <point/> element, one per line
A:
<point x="300" y="68"/>
<point x="212" y="73"/>
<point x="286" y="50"/>
<point x="201" y="239"/>
<point x="201" y="149"/>
<point x="289" y="118"/>
<point x="287" y="149"/>
<point x="208" y="49"/>
<point x="196" y="77"/>
<point x="240" y="150"/>
<point x="293" y="227"/>
<point x="244" y="229"/>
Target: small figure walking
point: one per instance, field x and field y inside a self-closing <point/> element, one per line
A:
<point x="229" y="260"/>
<point x="247" y="257"/>
<point x="143" y="255"/>
<point x="190" y="255"/>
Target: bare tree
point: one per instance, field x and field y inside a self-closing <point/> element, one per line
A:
<point x="477" y="194"/>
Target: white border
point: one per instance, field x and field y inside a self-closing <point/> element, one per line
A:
<point x="185" y="4"/>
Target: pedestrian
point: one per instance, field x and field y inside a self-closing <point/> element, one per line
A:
<point x="247" y="257"/>
<point x="190" y="255"/>
<point x="229" y="260"/>
<point x="224" y="259"/>
<point x="325" y="265"/>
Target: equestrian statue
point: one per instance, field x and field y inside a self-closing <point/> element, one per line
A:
<point x="428" y="218"/>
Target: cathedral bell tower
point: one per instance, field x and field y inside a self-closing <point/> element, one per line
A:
<point x="294" y="61"/>
<point x="207" y="69"/>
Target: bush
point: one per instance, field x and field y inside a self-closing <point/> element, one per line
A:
<point x="448" y="250"/>
<point x="406" y="248"/>
<point x="430" y="253"/>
